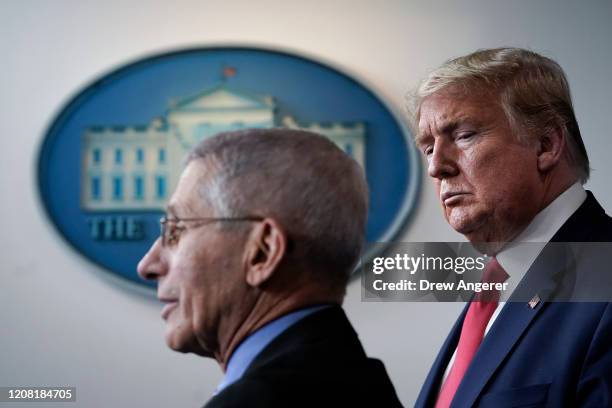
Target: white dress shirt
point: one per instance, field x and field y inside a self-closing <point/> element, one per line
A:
<point x="517" y="256"/>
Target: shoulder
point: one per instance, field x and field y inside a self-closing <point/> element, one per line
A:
<point x="317" y="362"/>
<point x="589" y="223"/>
<point x="295" y="387"/>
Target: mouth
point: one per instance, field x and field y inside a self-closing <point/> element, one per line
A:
<point x="170" y="305"/>
<point x="452" y="197"/>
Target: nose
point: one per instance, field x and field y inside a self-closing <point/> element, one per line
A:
<point x="441" y="162"/>
<point x="152" y="266"/>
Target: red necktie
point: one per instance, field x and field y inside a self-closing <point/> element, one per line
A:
<point x="472" y="332"/>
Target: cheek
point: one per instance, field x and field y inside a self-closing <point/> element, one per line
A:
<point x="200" y="294"/>
<point x="194" y="291"/>
<point x="187" y="321"/>
<point x="495" y="171"/>
<point x="507" y="183"/>
<point x="186" y="281"/>
<point x="203" y="315"/>
<point x="483" y="168"/>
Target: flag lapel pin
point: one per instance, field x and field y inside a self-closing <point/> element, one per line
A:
<point x="534" y="301"/>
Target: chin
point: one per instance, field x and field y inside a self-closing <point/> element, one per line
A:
<point x="173" y="343"/>
<point x="480" y="238"/>
<point x="185" y="343"/>
<point x="468" y="224"/>
<point x="176" y="339"/>
<point x="466" y="228"/>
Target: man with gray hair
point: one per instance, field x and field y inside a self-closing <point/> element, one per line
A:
<point x="257" y="246"/>
<point x="506" y="157"/>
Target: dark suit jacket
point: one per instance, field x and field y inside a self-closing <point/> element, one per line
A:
<point x="558" y="354"/>
<point x="317" y="362"/>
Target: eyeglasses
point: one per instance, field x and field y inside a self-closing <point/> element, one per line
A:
<point x="170" y="231"/>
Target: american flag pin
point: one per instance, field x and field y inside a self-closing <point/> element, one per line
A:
<point x="534" y="301"/>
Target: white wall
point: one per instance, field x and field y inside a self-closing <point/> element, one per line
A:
<point x="63" y="322"/>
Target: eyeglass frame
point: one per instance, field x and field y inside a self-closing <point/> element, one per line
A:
<point x="165" y="236"/>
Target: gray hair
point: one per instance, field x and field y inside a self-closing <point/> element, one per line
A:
<point x="533" y="91"/>
<point x="301" y="179"/>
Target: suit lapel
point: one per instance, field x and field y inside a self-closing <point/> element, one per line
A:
<point x="514" y="319"/>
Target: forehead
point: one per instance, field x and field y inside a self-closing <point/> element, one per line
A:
<point x="445" y="108"/>
<point x="187" y="199"/>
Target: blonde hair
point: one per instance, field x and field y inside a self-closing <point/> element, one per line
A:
<point x="533" y="91"/>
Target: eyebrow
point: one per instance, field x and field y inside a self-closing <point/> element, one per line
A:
<point x="450" y="126"/>
<point x="171" y="209"/>
<point x="447" y="127"/>
<point x="420" y="138"/>
<point x="180" y="210"/>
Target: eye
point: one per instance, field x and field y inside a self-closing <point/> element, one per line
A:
<point x="465" y="135"/>
<point x="428" y="150"/>
<point x="173" y="232"/>
<point x="172" y="237"/>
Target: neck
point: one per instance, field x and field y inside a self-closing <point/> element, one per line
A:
<point x="552" y="186"/>
<point x="267" y="307"/>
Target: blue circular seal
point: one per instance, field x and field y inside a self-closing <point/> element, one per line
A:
<point x="112" y="156"/>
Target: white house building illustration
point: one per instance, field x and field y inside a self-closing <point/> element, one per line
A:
<point x="136" y="167"/>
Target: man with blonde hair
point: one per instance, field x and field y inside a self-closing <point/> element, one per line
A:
<point x="505" y="154"/>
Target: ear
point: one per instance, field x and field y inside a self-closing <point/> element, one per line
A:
<point x="551" y="147"/>
<point x="266" y="247"/>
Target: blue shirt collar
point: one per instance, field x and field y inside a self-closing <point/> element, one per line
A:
<point x="250" y="347"/>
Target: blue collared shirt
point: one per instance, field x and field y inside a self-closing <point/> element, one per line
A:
<point x="250" y="347"/>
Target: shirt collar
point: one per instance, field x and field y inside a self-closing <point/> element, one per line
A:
<point x="516" y="257"/>
<point x="250" y="347"/>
